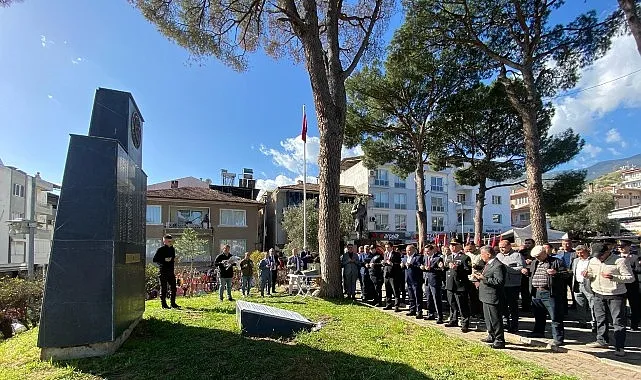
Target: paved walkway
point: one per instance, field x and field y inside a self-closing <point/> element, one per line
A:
<point x="573" y="359"/>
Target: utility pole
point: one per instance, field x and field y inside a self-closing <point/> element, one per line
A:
<point x="32" y="230"/>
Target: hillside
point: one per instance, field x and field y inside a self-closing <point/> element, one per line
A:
<point x="605" y="167"/>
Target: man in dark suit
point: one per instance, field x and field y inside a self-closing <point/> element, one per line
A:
<point x="393" y="274"/>
<point x="376" y="275"/>
<point x="433" y="271"/>
<point x="457" y="284"/>
<point x="414" y="279"/>
<point x="491" y="294"/>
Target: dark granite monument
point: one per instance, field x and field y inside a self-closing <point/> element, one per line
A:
<point x="260" y="320"/>
<point x="95" y="286"/>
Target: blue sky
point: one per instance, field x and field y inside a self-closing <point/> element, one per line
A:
<point x="203" y="117"/>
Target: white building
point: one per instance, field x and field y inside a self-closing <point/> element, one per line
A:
<point x="631" y="178"/>
<point x="392" y="209"/>
<point x="15" y="195"/>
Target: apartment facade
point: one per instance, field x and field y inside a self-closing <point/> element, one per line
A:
<point x="631" y="178"/>
<point x="519" y="207"/>
<point x="292" y="195"/>
<point x="16" y="188"/>
<point x="232" y="220"/>
<point x="450" y="207"/>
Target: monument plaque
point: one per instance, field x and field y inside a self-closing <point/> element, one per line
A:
<point x="94" y="291"/>
<point x="260" y="320"/>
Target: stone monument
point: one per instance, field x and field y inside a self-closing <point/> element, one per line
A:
<point x="95" y="286"/>
<point x="359" y="213"/>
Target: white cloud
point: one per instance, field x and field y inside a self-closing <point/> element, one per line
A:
<point x="281" y="180"/>
<point x="290" y="156"/>
<point x="592" y="150"/>
<point x="614" y="152"/>
<point x="45" y="42"/>
<point x="580" y="111"/>
<point x="76" y="60"/>
<point x="50" y="96"/>
<point x="613" y="136"/>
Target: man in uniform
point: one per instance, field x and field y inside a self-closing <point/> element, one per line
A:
<point x="165" y="257"/>
<point x="457" y="284"/>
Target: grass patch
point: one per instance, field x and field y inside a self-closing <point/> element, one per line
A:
<point x="203" y="341"/>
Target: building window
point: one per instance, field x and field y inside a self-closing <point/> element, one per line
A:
<point x="437" y="184"/>
<point x="438" y="205"/>
<point x="400" y="222"/>
<point x="496" y="218"/>
<point x="399" y="183"/>
<point x="153" y="214"/>
<point x="400" y="201"/>
<point x="496" y="199"/>
<point x="460" y="198"/>
<point x="381" y="178"/>
<point x="17" y="215"/>
<point x="525" y="217"/>
<point x="186" y="217"/>
<point x="438" y="224"/>
<point x="233" y="218"/>
<point x="381" y="200"/>
<point x="382" y="222"/>
<point x="237" y="247"/>
<point x="18" y="190"/>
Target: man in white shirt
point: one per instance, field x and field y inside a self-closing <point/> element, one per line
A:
<point x="608" y="275"/>
<point x="582" y="289"/>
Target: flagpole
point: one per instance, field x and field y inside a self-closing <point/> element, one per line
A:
<point x="304" y="184"/>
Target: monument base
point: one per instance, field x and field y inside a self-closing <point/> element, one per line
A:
<point x="87" y="350"/>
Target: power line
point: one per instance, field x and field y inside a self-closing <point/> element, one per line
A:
<point x="570" y="93"/>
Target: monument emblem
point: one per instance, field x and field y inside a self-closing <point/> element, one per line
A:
<point x="95" y="286"/>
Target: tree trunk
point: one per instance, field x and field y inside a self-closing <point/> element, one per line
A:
<point x="528" y="112"/>
<point x="331" y="138"/>
<point x="632" y="17"/>
<point x="533" y="169"/>
<point x="421" y="215"/>
<point x="330" y="99"/>
<point x="478" y="209"/>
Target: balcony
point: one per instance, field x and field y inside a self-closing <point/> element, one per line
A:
<point x="44" y="208"/>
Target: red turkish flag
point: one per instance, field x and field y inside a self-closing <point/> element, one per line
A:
<point x="303" y="134"/>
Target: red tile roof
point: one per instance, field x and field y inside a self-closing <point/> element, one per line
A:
<point x="198" y="194"/>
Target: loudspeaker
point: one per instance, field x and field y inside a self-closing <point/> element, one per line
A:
<point x="260" y="320"/>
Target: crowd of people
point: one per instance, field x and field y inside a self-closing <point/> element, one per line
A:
<point x="495" y="284"/>
<point x="500" y="283"/>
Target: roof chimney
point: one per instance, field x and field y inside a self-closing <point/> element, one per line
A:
<point x="299" y="182"/>
<point x="174" y="184"/>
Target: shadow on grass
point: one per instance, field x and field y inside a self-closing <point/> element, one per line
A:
<point x="215" y="309"/>
<point x="162" y="350"/>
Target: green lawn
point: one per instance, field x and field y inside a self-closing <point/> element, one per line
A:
<point x="203" y="341"/>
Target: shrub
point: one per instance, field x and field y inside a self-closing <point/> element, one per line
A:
<point x="151" y="280"/>
<point x="20" y="300"/>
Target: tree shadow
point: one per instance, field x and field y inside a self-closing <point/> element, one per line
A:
<point x="162" y="349"/>
<point x="214" y="309"/>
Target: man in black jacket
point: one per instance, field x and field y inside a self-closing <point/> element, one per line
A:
<point x="376" y="274"/>
<point x="457" y="283"/>
<point x="226" y="270"/>
<point x="414" y="279"/>
<point x="433" y="271"/>
<point x="633" y="294"/>
<point x="393" y="274"/>
<point x="165" y="257"/>
<point x="491" y="286"/>
<point x="547" y="286"/>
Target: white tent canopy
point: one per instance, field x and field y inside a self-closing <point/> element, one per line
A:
<point x="520" y="234"/>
